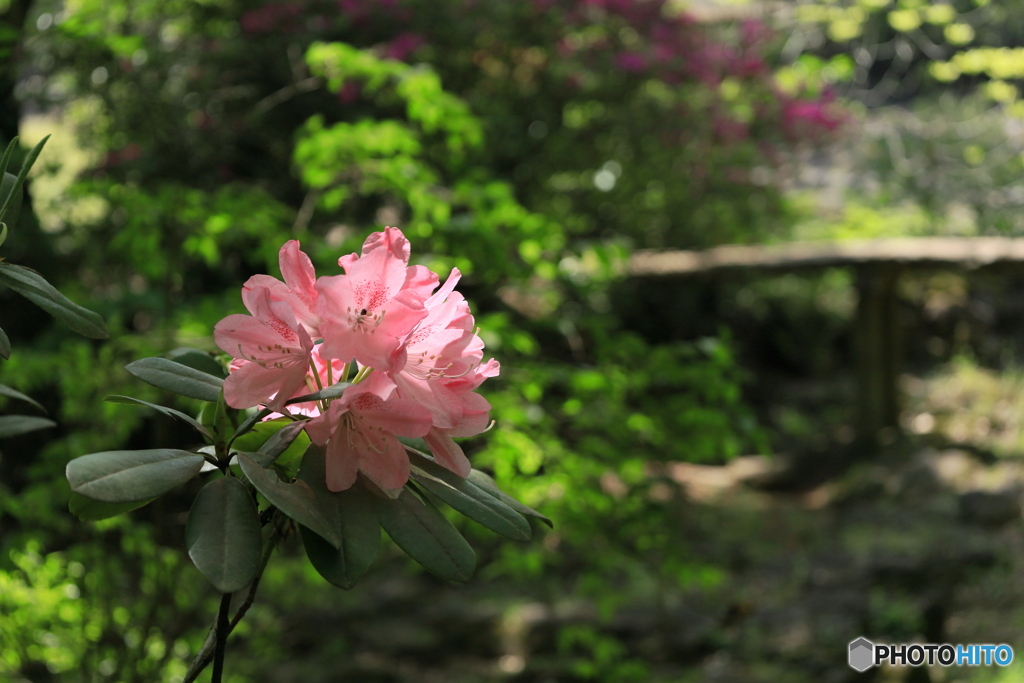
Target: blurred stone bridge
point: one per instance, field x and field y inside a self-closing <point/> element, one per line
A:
<point x="878" y="265"/>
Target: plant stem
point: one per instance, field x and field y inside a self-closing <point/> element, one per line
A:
<point x="206" y="653"/>
<point x="221" y="638"/>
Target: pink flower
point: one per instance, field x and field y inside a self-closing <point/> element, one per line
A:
<point x="367" y="312"/>
<point x="475" y="419"/>
<point x="442" y="370"/>
<point x="298" y="289"/>
<point x="434" y="353"/>
<point x="630" y="61"/>
<point x="361" y="430"/>
<point x="403" y="46"/>
<point x="349" y="92"/>
<point x="274" y="345"/>
<point x="411" y="354"/>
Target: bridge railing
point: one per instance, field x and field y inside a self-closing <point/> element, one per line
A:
<point x="878" y="265"/>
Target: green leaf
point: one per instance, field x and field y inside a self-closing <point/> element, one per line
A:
<point x="14" y="393"/>
<point x="257" y="441"/>
<point x="296" y="500"/>
<point x="333" y="391"/>
<point x="15" y="425"/>
<point x="486" y="483"/>
<point x="469" y="499"/>
<point x="5" y="345"/>
<point x="215" y="417"/>
<point x="26" y="165"/>
<point x="352" y="513"/>
<point x="223" y="534"/>
<point x="127" y="476"/>
<point x="281" y="440"/>
<point x="10" y="216"/>
<point x="8" y="153"/>
<point x="178" y="378"/>
<point x="95" y="510"/>
<point x="197" y="359"/>
<point x="249" y="423"/>
<point x="419" y="528"/>
<point x="36" y="289"/>
<point x="170" y="412"/>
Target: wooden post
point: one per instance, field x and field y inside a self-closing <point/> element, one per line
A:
<point x="877" y="347"/>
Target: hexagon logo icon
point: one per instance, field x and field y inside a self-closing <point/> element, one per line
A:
<point x="862" y="654"/>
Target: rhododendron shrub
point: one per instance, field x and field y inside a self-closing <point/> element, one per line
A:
<point x="329" y="378"/>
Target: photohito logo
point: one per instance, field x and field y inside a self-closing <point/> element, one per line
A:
<point x="864" y="654"/>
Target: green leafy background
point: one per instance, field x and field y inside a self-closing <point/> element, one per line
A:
<point x="533" y="144"/>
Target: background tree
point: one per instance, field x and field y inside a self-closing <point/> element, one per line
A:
<point x="530" y="144"/>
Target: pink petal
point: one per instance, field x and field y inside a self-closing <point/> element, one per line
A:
<point x="447" y="453"/>
<point x="392" y="240"/>
<point x="441" y="294"/>
<point x="298" y="272"/>
<point x="246" y="337"/>
<point x="321" y="427"/>
<point x="395" y="416"/>
<point x="445" y="406"/>
<point x="476" y="416"/>
<point x="386" y="464"/>
<point x="420" y="280"/>
<point x="302" y="310"/>
<point x="342" y="465"/>
<point x="253" y="384"/>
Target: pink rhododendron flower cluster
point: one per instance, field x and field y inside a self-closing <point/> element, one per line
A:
<point x="407" y="346"/>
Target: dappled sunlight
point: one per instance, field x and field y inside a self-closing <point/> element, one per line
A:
<point x="967" y="404"/>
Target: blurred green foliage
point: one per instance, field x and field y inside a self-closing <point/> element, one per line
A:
<point x="531" y="144"/>
<point x="939" y="150"/>
<point x="63" y="620"/>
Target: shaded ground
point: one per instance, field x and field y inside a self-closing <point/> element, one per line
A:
<point x="919" y="544"/>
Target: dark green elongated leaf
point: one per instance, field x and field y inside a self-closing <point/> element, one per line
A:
<point x="95" y="510"/>
<point x="470" y="499"/>
<point x="10" y="216"/>
<point x="127" y="476"/>
<point x="30" y="158"/>
<point x="33" y="287"/>
<point x="281" y="440"/>
<point x="14" y="393"/>
<point x="5" y="345"/>
<point x="248" y="424"/>
<point x="223" y="534"/>
<point x="197" y="359"/>
<point x="486" y="483"/>
<point x="8" y="153"/>
<point x="295" y="500"/>
<point x="170" y="412"/>
<point x="352" y="513"/>
<point x="13" y="425"/>
<point x="181" y="379"/>
<point x="419" y="529"/>
<point x="333" y="391"/>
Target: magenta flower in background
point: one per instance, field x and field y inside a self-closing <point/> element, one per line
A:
<point x="407" y="347"/>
